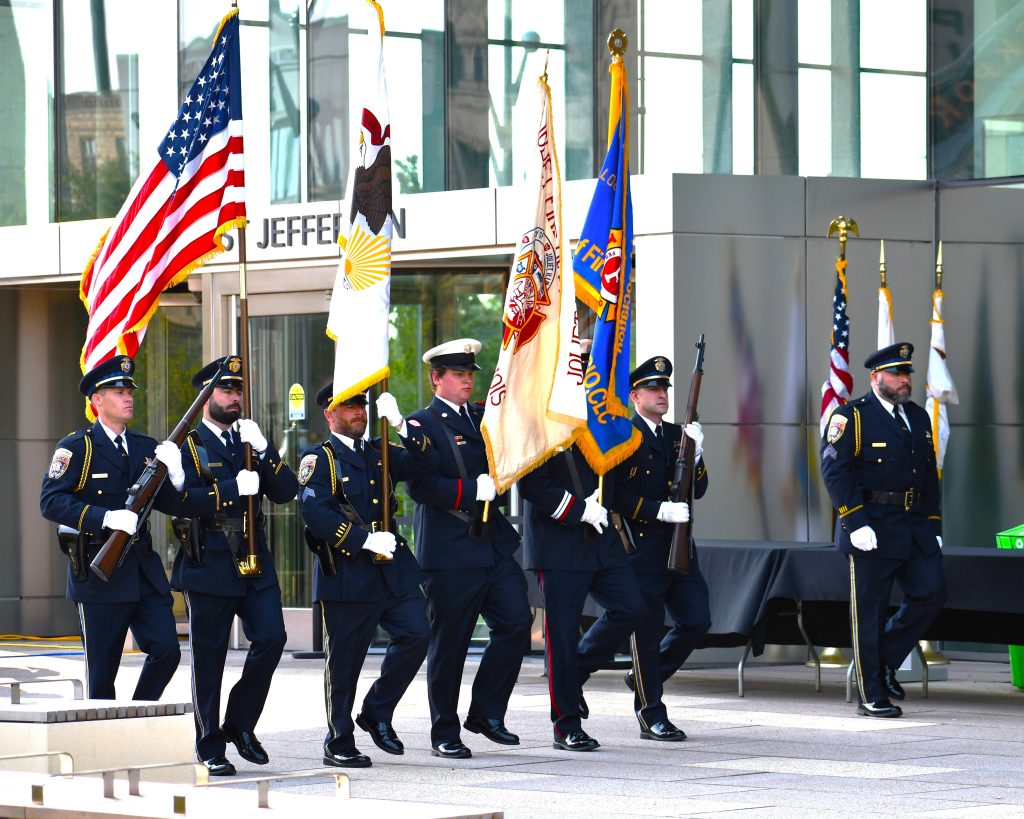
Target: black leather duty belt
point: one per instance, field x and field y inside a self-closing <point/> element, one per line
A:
<point x="375" y="526"/>
<point x="905" y="499"/>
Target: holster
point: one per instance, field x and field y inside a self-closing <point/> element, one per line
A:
<point x="619" y="524"/>
<point x="187" y="531"/>
<point x="324" y="555"/>
<point x="75" y="546"/>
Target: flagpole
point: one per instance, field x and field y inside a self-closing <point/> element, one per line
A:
<point x="938" y="269"/>
<point x="881" y="262"/>
<point x="249" y="564"/>
<point x="385" y="471"/>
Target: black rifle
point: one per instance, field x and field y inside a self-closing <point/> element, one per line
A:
<point x="143" y="492"/>
<point x="682" y="477"/>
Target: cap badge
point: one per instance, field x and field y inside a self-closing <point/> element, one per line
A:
<point x="126" y="364"/>
<point x="659" y="364"/>
<point x="904" y="351"/>
<point x="235" y="364"/>
<point x="467" y="348"/>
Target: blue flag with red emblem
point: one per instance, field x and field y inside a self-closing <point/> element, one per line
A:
<point x="603" y="273"/>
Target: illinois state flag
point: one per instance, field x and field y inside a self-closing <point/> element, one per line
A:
<point x="172" y="221"/>
<point x="358" y="320"/>
<point x="940" y="388"/>
<point x="603" y="274"/>
<point x="535" y="403"/>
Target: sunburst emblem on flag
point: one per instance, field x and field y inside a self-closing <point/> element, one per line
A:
<point x="367" y="259"/>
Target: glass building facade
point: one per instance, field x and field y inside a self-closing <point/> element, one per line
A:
<point x="839" y="98"/>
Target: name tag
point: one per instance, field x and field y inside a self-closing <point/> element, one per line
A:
<point x="212" y="464"/>
<point x="878" y="444"/>
<point x="100" y="475"/>
<point x="460" y="441"/>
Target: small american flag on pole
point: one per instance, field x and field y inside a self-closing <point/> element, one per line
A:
<point x="835" y="391"/>
<point x="174" y="216"/>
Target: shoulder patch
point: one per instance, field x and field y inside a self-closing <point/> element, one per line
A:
<point x="836" y="427"/>
<point x="306" y="468"/>
<point x="413" y="422"/>
<point x="60" y="463"/>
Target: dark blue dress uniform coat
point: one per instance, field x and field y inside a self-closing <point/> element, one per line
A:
<point x="571" y="561"/>
<point x="365" y="592"/>
<point x="865" y="451"/>
<point x="465" y="578"/>
<point x="215" y="593"/>
<point x="87" y="477"/>
<point x="644" y="482"/>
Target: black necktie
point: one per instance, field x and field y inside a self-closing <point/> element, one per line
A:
<point x="465" y="416"/>
<point x="899" y="420"/>
<point x="119" y="443"/>
<point x="357" y="445"/>
<point x="228" y="441"/>
<point x="663" y="443"/>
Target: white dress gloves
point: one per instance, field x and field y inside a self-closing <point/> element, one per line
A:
<point x="249" y="433"/>
<point x="670" y="512"/>
<point x="696" y="434"/>
<point x="381" y="543"/>
<point x="485" y="489"/>
<point x="594" y="513"/>
<point x="170" y="456"/>
<point x="124" y="520"/>
<point x="864" y="539"/>
<point x="248" y="482"/>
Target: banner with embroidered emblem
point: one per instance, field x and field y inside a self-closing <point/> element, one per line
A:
<point x="536" y="404"/>
<point x="359" y="317"/>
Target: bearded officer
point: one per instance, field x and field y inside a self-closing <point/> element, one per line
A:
<point x="86" y="488"/>
<point x="878" y="463"/>
<point x="644" y="481"/>
<point x="469" y="564"/>
<point x="217" y="485"/>
<point x="370" y="578"/>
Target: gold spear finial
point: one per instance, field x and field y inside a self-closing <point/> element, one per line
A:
<point x="618" y="42"/>
<point x="842" y="225"/>
<point x="881" y="261"/>
<point x="938" y="269"/>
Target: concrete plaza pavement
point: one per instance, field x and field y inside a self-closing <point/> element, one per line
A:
<point x="782" y="750"/>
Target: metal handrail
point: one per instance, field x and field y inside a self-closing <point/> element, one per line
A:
<point x="77" y="687"/>
<point x="342" y="784"/>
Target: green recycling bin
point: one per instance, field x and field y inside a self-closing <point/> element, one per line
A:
<point x="1014" y="539"/>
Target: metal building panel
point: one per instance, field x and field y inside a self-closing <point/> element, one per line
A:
<point x="739" y="205"/>
<point x="882" y="208"/>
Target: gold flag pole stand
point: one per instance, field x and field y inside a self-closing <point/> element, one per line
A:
<point x="931" y="653"/>
<point x="832" y="657"/>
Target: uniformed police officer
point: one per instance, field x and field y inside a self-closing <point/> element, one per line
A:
<point x="372" y="578"/>
<point x="86" y="488"/>
<point x="217" y="485"/>
<point x="574" y="552"/>
<point x="878" y="462"/>
<point x="644" y="482"/>
<point x="469" y="565"/>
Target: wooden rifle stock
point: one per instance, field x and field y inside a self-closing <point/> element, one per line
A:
<point x="143" y="492"/>
<point x="685" y="470"/>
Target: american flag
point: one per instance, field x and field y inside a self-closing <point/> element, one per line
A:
<point x="174" y="216"/>
<point x="835" y="391"/>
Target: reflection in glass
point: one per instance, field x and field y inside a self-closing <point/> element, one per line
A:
<point x="284" y="101"/>
<point x="328" y="87"/>
<point x="98" y="120"/>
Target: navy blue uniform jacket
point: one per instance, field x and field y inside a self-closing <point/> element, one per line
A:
<point x="88" y="476"/>
<point x="643" y="482"/>
<point x="554" y="535"/>
<point x="220" y="498"/>
<point x="864" y="448"/>
<point x="330" y="471"/>
<point x="441" y="538"/>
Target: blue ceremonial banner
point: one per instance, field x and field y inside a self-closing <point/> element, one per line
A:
<point x="603" y="273"/>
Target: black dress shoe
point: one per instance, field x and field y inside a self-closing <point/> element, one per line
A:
<point x="382" y="734"/>
<point x="248" y="746"/>
<point x="583" y="708"/>
<point x="892" y="685"/>
<point x="663" y="732"/>
<point x="451" y="750"/>
<point x="493" y="729"/>
<point x="219" y="766"/>
<point x="577" y="740"/>
<point x="630" y="680"/>
<point x="347" y="758"/>
<point x="879" y="708"/>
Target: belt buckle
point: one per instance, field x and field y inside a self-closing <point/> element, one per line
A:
<point x="908" y="499"/>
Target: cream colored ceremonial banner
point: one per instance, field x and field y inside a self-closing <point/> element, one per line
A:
<point x="886" y="332"/>
<point x="536" y="403"/>
<point x="940" y="388"/>
<point x="361" y="302"/>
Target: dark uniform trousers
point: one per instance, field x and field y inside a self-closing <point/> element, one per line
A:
<point x="880" y="475"/>
<point x="364" y="592"/>
<point x="87" y="477"/>
<point x="216" y="594"/>
<point x="571" y="561"/>
<point x="644" y="481"/>
<point x="465" y="578"/>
